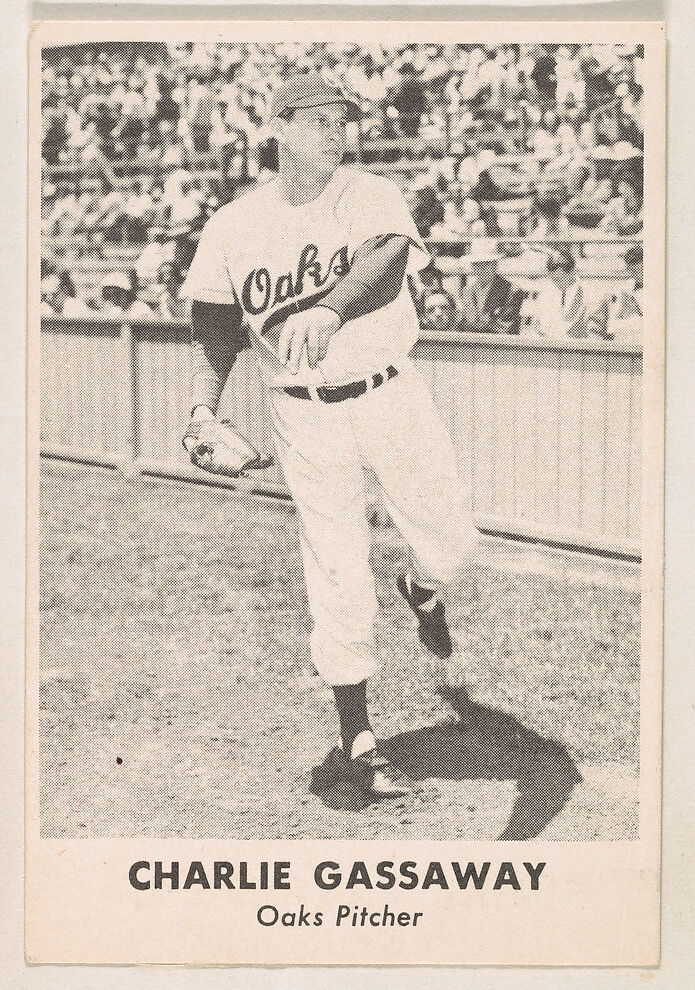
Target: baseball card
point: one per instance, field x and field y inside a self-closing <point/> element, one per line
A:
<point x="345" y="493"/>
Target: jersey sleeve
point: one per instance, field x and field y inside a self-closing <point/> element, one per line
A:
<point x="376" y="208"/>
<point x="209" y="278"/>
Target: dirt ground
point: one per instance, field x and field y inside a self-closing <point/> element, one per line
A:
<point x="178" y="697"/>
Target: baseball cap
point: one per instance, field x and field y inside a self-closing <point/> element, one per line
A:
<point x="308" y="89"/>
<point x="482" y="250"/>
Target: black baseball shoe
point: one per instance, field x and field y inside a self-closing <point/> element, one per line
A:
<point x="334" y="767"/>
<point x="432" y="628"/>
<point x="373" y="773"/>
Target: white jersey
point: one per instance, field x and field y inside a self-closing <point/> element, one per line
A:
<point x="275" y="259"/>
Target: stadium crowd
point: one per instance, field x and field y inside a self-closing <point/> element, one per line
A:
<point x="142" y="142"/>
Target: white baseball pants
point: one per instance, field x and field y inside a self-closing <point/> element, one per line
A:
<point x="323" y="447"/>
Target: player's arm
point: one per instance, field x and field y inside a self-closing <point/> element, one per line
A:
<point x="217" y="336"/>
<point x="375" y="280"/>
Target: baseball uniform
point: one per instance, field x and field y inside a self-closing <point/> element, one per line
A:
<point x="274" y="259"/>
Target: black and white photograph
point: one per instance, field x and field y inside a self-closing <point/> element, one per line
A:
<point x="341" y="439"/>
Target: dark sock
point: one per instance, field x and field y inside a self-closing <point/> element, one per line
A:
<point x="351" y="702"/>
<point x="420" y="595"/>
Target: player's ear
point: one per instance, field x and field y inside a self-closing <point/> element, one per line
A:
<point x="278" y="126"/>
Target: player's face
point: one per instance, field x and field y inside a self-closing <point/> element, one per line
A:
<point x="316" y="136"/>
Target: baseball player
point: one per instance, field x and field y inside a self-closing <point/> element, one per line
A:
<point x="315" y="264"/>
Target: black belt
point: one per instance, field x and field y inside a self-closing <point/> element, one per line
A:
<point x="338" y="393"/>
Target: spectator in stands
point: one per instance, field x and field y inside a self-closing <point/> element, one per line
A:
<point x="48" y="267"/>
<point x="589" y="207"/>
<point x="166" y="109"/>
<point x="472" y="166"/>
<point x="60" y="221"/>
<point x="185" y="219"/>
<point x="225" y="123"/>
<point x="565" y="154"/>
<point x="624" y="213"/>
<point x="547" y="142"/>
<point x="564" y="307"/>
<point x="59" y="298"/>
<point x="138" y="211"/>
<point x="170" y="306"/>
<point x="626" y="314"/>
<point x="420" y="283"/>
<point x="96" y="163"/>
<point x="132" y="110"/>
<point x="49" y="193"/>
<point x="89" y="203"/>
<point x="473" y="85"/>
<point x="176" y="176"/>
<point x="100" y="209"/>
<point x="598" y="90"/>
<point x="118" y="298"/>
<point x="159" y="251"/>
<point x="171" y="155"/>
<point x="200" y="103"/>
<point x="544" y="77"/>
<point x="99" y="117"/>
<point x="632" y="112"/>
<point x="634" y="262"/>
<point x="438" y="311"/>
<point x="426" y="208"/>
<point x="108" y="219"/>
<point x="551" y="224"/>
<point x="571" y="85"/>
<point x="462" y="220"/>
<point x="54" y="129"/>
<point x="158" y="205"/>
<point x="410" y="99"/>
<point x="489" y="302"/>
<point x="486" y="193"/>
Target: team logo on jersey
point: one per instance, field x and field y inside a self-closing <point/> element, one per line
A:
<point x="262" y="291"/>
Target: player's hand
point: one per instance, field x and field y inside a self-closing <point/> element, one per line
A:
<point x="218" y="447"/>
<point x="312" y="329"/>
<point x="200" y="414"/>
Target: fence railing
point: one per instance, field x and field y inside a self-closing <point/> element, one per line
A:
<point x="547" y="433"/>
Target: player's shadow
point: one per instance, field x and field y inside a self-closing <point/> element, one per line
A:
<point x="482" y="744"/>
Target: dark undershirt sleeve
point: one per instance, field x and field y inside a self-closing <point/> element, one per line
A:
<point x="217" y="336"/>
<point x="375" y="279"/>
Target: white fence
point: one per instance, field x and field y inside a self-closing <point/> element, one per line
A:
<point x="549" y="432"/>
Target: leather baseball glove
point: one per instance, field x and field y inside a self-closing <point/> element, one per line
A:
<point x="215" y="445"/>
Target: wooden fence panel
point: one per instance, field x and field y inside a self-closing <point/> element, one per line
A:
<point x="569" y="480"/>
<point x="592" y="425"/>
<point x="505" y="389"/>
<point x="635" y="499"/>
<point x="547" y="420"/>
<point x="617" y="445"/>
<point x="83" y="379"/>
<point x="547" y="432"/>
